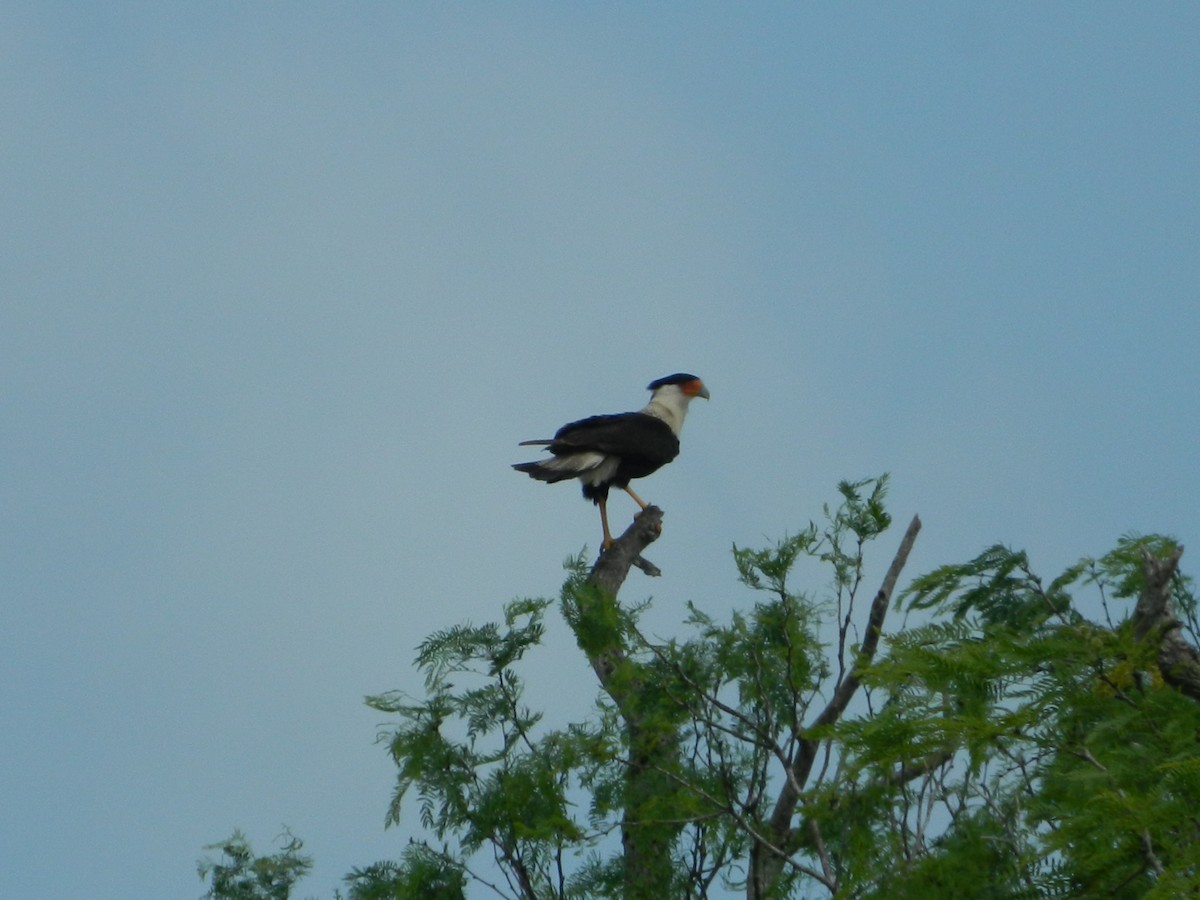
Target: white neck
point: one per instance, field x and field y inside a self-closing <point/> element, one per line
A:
<point x="670" y="404"/>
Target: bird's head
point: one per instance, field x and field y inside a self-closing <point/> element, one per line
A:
<point x="671" y="396"/>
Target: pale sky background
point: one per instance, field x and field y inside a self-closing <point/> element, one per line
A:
<point x="283" y="285"/>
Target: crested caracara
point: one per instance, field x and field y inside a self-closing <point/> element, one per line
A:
<point x="610" y="450"/>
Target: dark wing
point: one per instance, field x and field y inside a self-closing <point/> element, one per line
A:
<point x="635" y="437"/>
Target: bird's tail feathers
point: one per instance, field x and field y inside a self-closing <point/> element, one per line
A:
<point x="543" y="472"/>
<point x="560" y="468"/>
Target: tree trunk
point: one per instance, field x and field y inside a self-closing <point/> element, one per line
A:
<point x="1154" y="619"/>
<point x="651" y="743"/>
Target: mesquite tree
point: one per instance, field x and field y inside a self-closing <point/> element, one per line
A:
<point x="1011" y="737"/>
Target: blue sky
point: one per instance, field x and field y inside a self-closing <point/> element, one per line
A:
<point x="284" y="285"/>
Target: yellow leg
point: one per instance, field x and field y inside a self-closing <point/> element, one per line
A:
<point x="636" y="499"/>
<point x="608" y="538"/>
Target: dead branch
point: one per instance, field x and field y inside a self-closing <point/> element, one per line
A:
<point x="1154" y="619"/>
<point x="612" y="567"/>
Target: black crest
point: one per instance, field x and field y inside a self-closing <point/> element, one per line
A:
<point x="677" y="378"/>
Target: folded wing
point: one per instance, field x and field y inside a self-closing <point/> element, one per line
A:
<point x="641" y="442"/>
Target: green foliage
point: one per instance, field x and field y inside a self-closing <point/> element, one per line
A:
<point x="753" y="684"/>
<point x="1015" y="739"/>
<point x="423" y="874"/>
<point x="1057" y="729"/>
<point x="240" y="875"/>
<point x="485" y="773"/>
<point x="998" y="586"/>
<point x="596" y="621"/>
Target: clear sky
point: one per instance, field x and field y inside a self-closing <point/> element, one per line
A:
<point x="283" y="285"/>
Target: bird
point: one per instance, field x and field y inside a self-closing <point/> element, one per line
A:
<point x="608" y="451"/>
